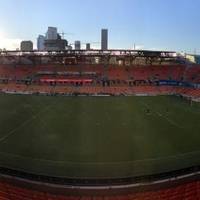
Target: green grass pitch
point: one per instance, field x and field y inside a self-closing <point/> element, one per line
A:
<point x="98" y="137"/>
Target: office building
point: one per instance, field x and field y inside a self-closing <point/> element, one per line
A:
<point x="53" y="40"/>
<point x="77" y="45"/>
<point x="88" y="46"/>
<point x="26" y="46"/>
<point x="40" y="43"/>
<point x="52" y="33"/>
<point x="104" y="39"/>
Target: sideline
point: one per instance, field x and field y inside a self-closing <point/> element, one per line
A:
<point x="107" y="187"/>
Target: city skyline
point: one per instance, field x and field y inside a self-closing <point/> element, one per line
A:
<point x="156" y="24"/>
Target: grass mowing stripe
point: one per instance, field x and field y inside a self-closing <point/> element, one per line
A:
<point x="161" y="115"/>
<point x="24" y="123"/>
<point x="98" y="137"/>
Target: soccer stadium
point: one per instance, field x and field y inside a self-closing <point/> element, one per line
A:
<point x="99" y="125"/>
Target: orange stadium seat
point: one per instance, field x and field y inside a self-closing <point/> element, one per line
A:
<point x="114" y="74"/>
<point x="182" y="192"/>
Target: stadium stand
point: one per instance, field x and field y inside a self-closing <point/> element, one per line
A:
<point x="97" y="79"/>
<point x="188" y="191"/>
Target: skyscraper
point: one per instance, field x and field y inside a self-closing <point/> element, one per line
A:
<point x="52" y="33"/>
<point x="104" y="39"/>
<point x="40" y="43"/>
<point x="88" y="46"/>
<point x="77" y="45"/>
<point x="53" y="40"/>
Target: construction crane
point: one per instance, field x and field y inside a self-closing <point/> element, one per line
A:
<point x="63" y="34"/>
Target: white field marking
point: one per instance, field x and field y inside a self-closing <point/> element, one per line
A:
<point x="109" y="187"/>
<point x="23" y="124"/>
<point x="161" y="115"/>
<point x="187" y="109"/>
<point x="38" y="117"/>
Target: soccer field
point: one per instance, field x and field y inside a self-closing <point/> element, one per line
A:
<point x="98" y="137"/>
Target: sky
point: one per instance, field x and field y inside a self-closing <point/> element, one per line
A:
<point x="149" y="24"/>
